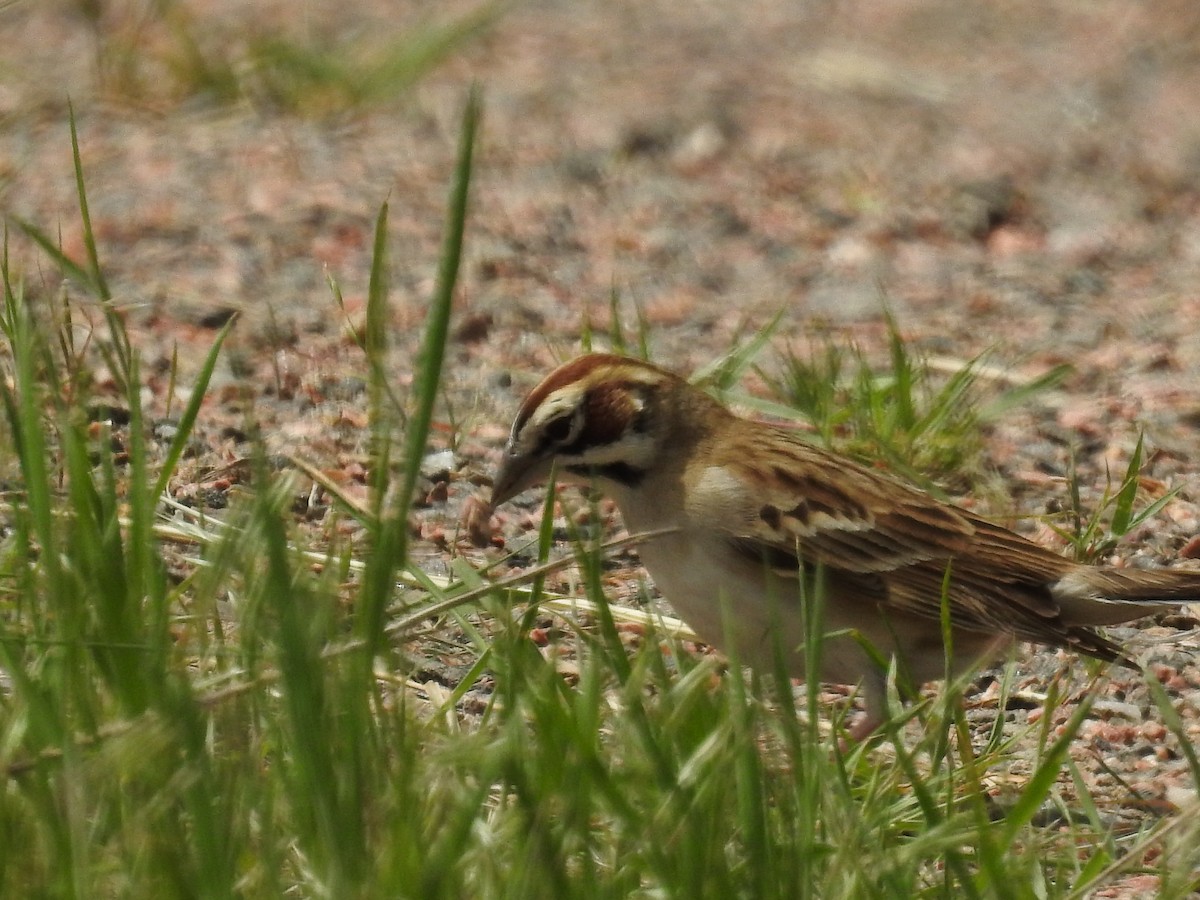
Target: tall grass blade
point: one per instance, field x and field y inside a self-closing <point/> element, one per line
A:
<point x="722" y="372"/>
<point x="1051" y="760"/>
<point x="95" y="272"/>
<point x="1127" y="494"/>
<point x="69" y="267"/>
<point x="391" y="549"/>
<point x="374" y="343"/>
<point x="187" y="419"/>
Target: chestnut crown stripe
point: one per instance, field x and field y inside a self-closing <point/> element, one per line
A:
<point x="567" y="374"/>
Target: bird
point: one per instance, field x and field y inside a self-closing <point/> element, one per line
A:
<point x="739" y="511"/>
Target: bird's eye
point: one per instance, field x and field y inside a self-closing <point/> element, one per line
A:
<point x="559" y="429"/>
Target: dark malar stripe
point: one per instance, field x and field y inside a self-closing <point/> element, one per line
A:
<point x="578" y="447"/>
<point x="622" y="473"/>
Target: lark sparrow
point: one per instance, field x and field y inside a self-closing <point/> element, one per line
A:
<point x="747" y="507"/>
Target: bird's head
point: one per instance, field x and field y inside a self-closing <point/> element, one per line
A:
<point x="595" y="417"/>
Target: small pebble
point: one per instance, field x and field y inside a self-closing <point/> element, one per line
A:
<point x="438" y="465"/>
<point x="477" y="521"/>
<point x="1154" y="732"/>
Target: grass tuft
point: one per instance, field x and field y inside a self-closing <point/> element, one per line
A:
<point x="169" y="52"/>
<point x="1093" y="534"/>
<point x="925" y="424"/>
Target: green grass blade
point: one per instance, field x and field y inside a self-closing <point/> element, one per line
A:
<point x="187" y="420"/>
<point x="374" y="341"/>
<point x="1050" y="764"/>
<point x="95" y="272"/>
<point x="121" y="348"/>
<point x="1127" y="494"/>
<point x="391" y="549"/>
<point x="437" y="326"/>
<point x="1015" y="397"/>
<point x="904" y="376"/>
<point x="25" y="410"/>
<point x="727" y="368"/>
<point x="68" y="266"/>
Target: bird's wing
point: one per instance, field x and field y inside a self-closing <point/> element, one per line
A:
<point x="808" y="507"/>
<point x="800" y="499"/>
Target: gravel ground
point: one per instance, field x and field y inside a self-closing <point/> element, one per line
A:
<point x="1019" y="178"/>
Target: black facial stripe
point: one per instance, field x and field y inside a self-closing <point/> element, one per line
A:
<point x="549" y="439"/>
<point x="620" y="472"/>
<point x="579" y="447"/>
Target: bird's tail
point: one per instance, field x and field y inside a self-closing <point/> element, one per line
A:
<point x="1091" y="595"/>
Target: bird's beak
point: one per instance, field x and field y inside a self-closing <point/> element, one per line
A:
<point x="517" y="473"/>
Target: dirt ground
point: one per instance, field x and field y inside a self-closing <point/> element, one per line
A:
<point x="1016" y="177"/>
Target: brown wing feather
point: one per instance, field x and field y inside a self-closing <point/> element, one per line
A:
<point x="816" y="508"/>
<point x="841" y="514"/>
